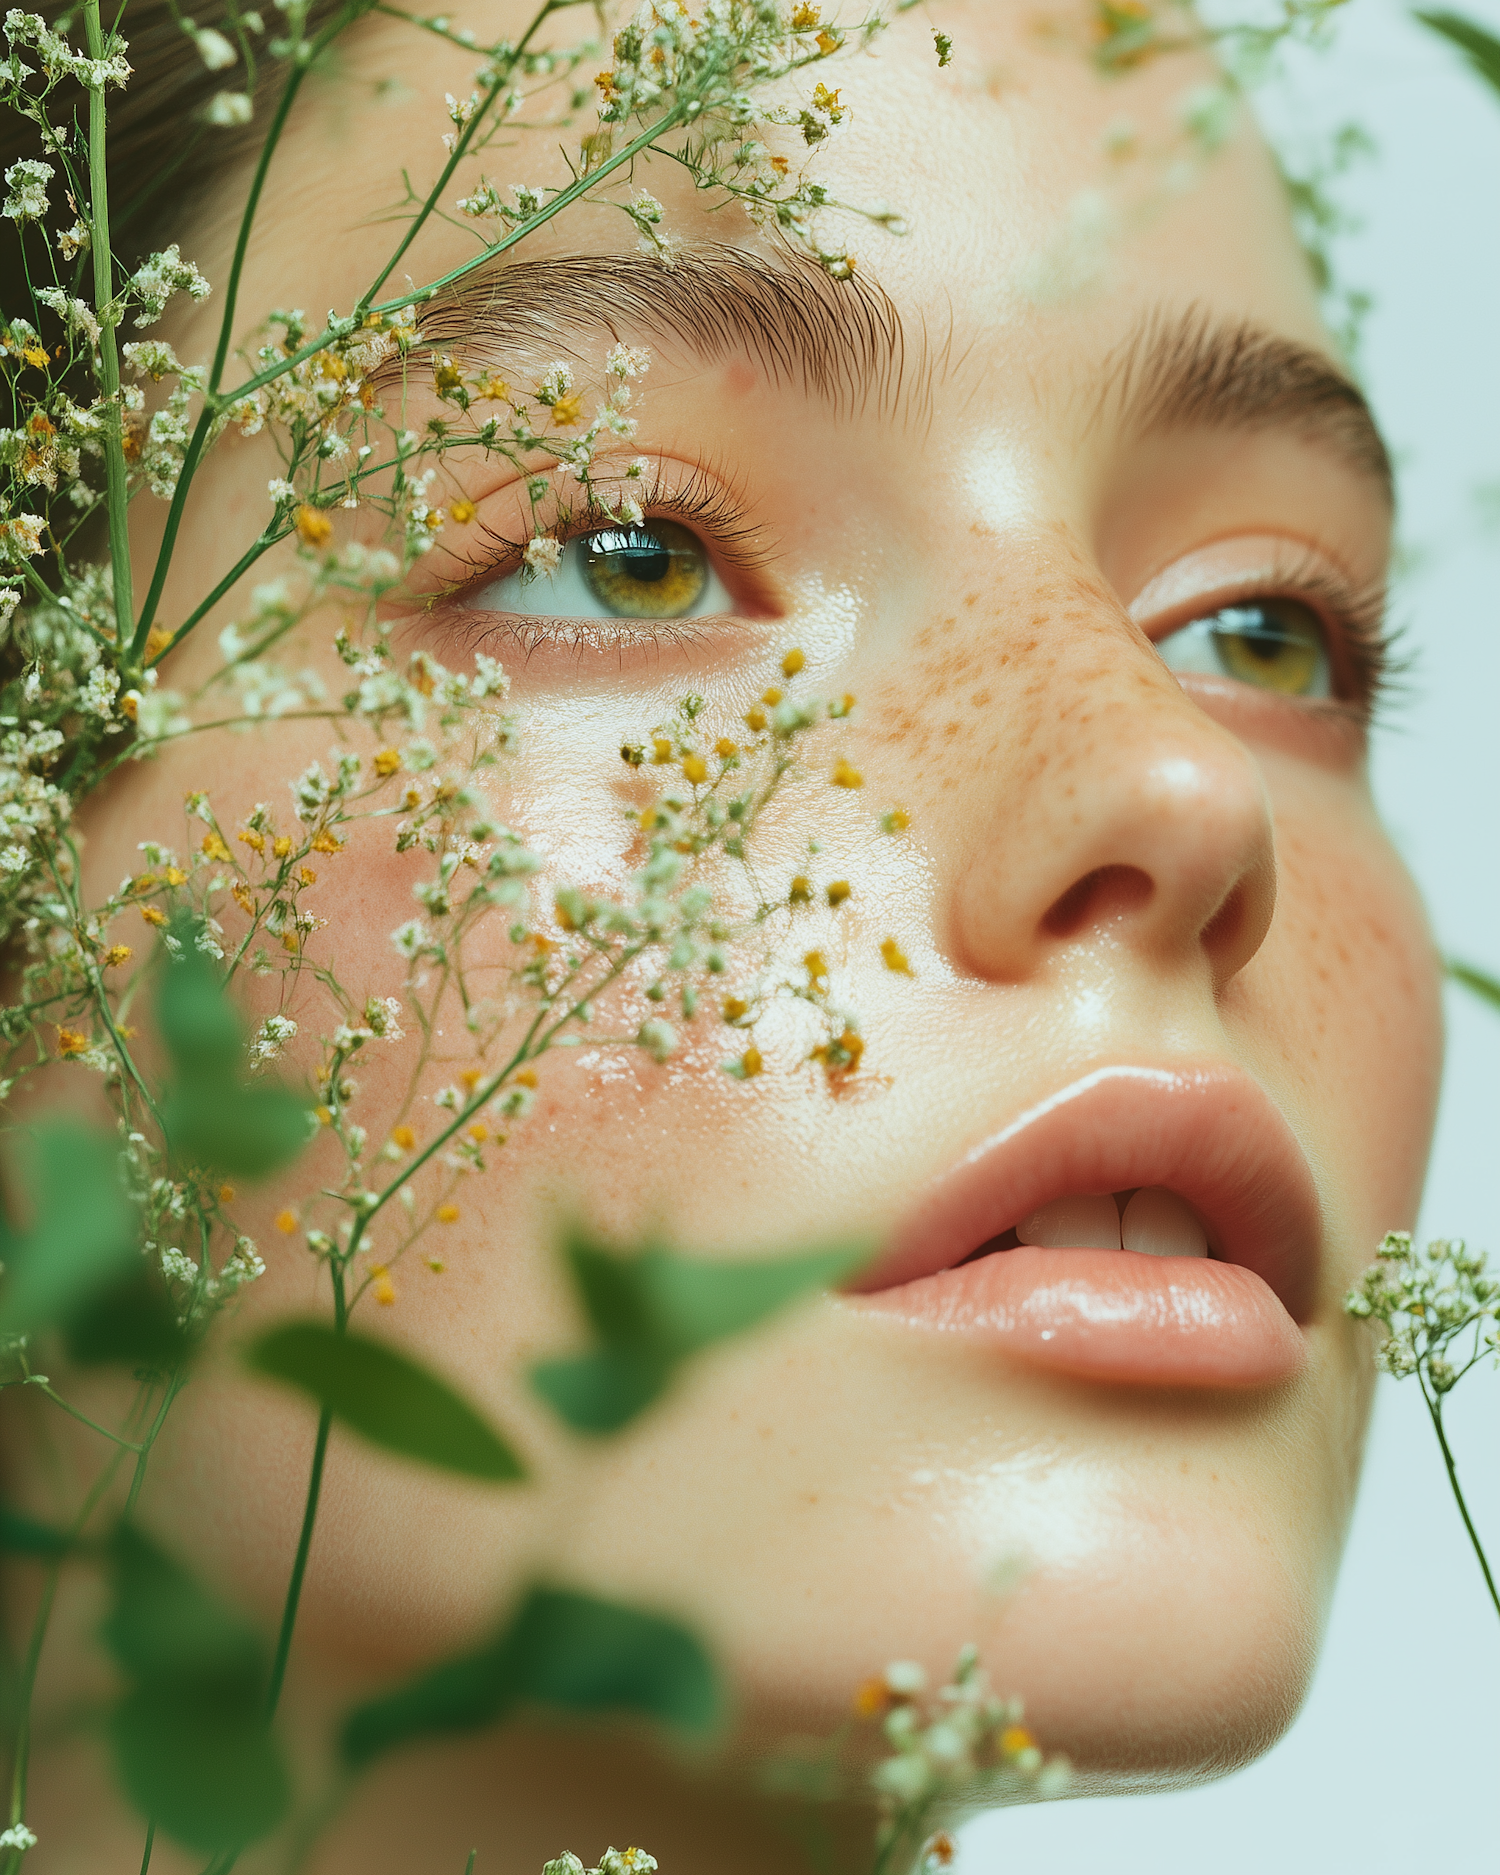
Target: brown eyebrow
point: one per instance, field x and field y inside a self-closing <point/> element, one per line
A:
<point x="1191" y="370"/>
<point x="843" y="341"/>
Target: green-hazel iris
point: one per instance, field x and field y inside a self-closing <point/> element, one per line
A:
<point x="651" y="569"/>
<point x="1274" y="644"/>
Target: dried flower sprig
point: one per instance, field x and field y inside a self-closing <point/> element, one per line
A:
<point x="1441" y="1314"/>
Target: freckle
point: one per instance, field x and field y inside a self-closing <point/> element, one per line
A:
<point x="766" y="1433"/>
<point x="1183" y="1467"/>
<point x="971" y="598"/>
<point x="981" y="699"/>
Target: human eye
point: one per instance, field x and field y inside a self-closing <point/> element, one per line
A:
<point x="651" y="569"/>
<point x="1275" y="644"/>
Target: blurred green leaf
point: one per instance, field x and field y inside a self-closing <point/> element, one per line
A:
<point x="1484" y="986"/>
<point x="23" y="1536"/>
<point x="385" y="1397"/>
<point x="85" y="1233"/>
<point x="211" y="1117"/>
<point x="654" y="1309"/>
<point x="132" y="1320"/>
<point x="1481" y="48"/>
<point x="562" y="1649"/>
<point x="602" y="1391"/>
<point x="189" y="1735"/>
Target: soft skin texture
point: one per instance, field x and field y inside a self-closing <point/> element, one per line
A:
<point x="978" y="568"/>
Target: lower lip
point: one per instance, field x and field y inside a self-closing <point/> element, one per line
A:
<point x="1110" y="1315"/>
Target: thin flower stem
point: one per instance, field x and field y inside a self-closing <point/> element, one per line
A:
<point x="174" y="1387"/>
<point x="309" y="1519"/>
<point x="83" y="1419"/>
<point x="22" y="1747"/>
<point x="150" y="1844"/>
<point x="1435" y="1413"/>
<point x="117" y="495"/>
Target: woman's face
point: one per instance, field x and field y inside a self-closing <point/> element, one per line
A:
<point x="1157" y="938"/>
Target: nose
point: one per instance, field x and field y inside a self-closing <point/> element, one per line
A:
<point x="1117" y="811"/>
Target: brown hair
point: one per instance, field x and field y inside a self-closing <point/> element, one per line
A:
<point x="163" y="154"/>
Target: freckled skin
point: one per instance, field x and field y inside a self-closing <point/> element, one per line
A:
<point x="836" y="1491"/>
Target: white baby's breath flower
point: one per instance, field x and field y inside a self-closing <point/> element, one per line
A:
<point x="17" y="1837"/>
<point x="543" y="554"/>
<point x="227" y="108"/>
<point x="214" y="49"/>
<point x="26" y="190"/>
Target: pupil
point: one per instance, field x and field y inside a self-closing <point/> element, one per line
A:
<point x="639" y="555"/>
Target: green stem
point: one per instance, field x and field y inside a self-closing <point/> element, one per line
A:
<point x="24" y="1690"/>
<point x="1435" y="1413"/>
<point x="150" y="1844"/>
<point x="117" y="494"/>
<point x="174" y="1387"/>
<point x="309" y="1519"/>
<point x="83" y="1419"/>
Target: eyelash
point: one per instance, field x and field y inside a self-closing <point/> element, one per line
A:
<point x="1355" y="630"/>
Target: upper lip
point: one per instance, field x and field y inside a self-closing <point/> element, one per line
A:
<point x="1208" y="1133"/>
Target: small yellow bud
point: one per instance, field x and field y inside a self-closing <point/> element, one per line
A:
<point x="226" y="1194"/>
<point x="471" y="1077"/>
<point x="567" y="410"/>
<point x="325" y="1115"/>
<point x="152" y="915"/>
<point x="286" y="1222"/>
<point x="838" y="892"/>
<point x="771" y="696"/>
<point x="725" y="749"/>
<point x="307" y="875"/>
<point x="694" y="769"/>
<point x="479" y="1132"/>
<point x="71" y="1042"/>
<point x="446" y="1214"/>
<point x="117" y="954"/>
<point x="436" y="1265"/>
<point x="461" y="511"/>
<point x="176" y="876"/>
<point x="816" y="966"/>
<point x="291" y="942"/>
<point x="661" y="750"/>
<point x="247" y="836"/>
<point x="323" y="842"/>
<point x="313" y="528"/>
<point x="282" y="845"/>
<point x="403" y="1137"/>
<point x="800" y="892"/>
<point x="387" y="762"/>
<point x="734" y="1007"/>
<point x="526" y="1077"/>
<point x="755" y="717"/>
<point x="895" y="957"/>
<point x="792" y="663"/>
<point x="845" y="775"/>
<point x="895" y="820"/>
<point x="751" y="1063"/>
<point x="383" y="1289"/>
<point x="1015" y="1739"/>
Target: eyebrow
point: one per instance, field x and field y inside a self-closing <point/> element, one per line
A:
<point x="1192" y="371"/>
<point x="842" y="341"/>
<point x="846" y="342"/>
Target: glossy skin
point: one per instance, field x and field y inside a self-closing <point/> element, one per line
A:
<point x="979" y="571"/>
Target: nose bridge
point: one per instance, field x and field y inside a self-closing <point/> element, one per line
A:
<point x="1114" y="806"/>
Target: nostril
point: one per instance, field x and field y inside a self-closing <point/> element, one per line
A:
<point x="1222" y="932"/>
<point x="1107" y="893"/>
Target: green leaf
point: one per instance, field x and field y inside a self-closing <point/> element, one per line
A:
<point x="132" y="1320"/>
<point x="211" y="1118"/>
<point x="1484" y="986"/>
<point x="189" y="1734"/>
<point x="602" y="1391"/>
<point x="1482" y="48"/>
<point x="385" y="1397"/>
<point x="86" y="1232"/>
<point x="562" y="1649"/>
<point x="244" y="1131"/>
<point x="23" y="1536"/>
<point x="653" y="1310"/>
<point x="198" y="1023"/>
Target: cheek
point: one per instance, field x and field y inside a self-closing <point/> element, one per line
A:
<point x="1345" y="1009"/>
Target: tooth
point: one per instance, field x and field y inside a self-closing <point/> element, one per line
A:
<point x="1158" y="1224"/>
<point x="1082" y="1221"/>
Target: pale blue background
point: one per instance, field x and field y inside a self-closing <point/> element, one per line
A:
<point x="1394" y="1764"/>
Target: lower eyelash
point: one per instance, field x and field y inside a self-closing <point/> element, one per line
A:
<point x="585" y="637"/>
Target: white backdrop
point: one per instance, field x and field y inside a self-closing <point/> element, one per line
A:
<point x="1392" y="1765"/>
